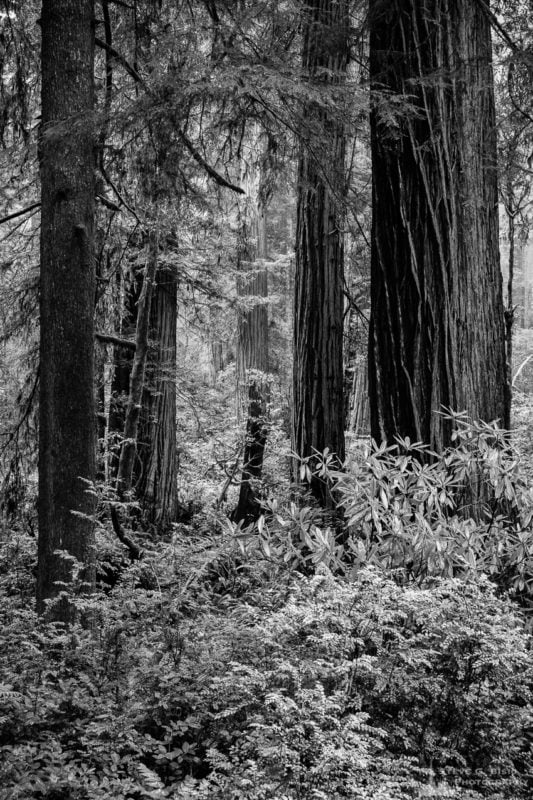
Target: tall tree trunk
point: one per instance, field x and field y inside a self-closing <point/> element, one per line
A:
<point x="133" y="409"/>
<point x="67" y="408"/>
<point x="318" y="418"/>
<point x="253" y="366"/>
<point x="437" y="332"/>
<point x="510" y="311"/>
<point x="155" y="464"/>
<point x="129" y="291"/>
<point x="157" y="486"/>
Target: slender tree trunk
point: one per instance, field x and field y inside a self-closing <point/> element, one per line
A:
<point x="358" y="422"/>
<point x="318" y="418"/>
<point x="509" y="311"/>
<point x="157" y="486"/>
<point x="126" y="324"/>
<point x="437" y="333"/>
<point x="253" y="368"/>
<point x="67" y="409"/>
<point x="133" y="409"/>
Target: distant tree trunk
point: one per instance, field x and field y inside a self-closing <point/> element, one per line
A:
<point x="122" y="363"/>
<point x="437" y="332"/>
<point x="253" y="368"/>
<point x="358" y="420"/>
<point x="155" y="463"/>
<point x="318" y="418"/>
<point x="134" y="406"/>
<point x="510" y="311"/>
<point x="67" y="409"/>
<point x="157" y="484"/>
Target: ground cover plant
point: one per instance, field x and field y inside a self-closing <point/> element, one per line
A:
<point x="223" y="666"/>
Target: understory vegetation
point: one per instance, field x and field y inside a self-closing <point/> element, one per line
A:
<point x="379" y="653"/>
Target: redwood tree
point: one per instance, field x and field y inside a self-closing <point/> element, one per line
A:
<point x="437" y="333"/>
<point x="252" y="357"/>
<point x="318" y="419"/>
<point x="157" y="482"/>
<point x="67" y="291"/>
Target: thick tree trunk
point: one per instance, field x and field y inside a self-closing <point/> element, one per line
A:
<point x="67" y="409"/>
<point x="318" y="418"/>
<point x="437" y="333"/>
<point x="157" y="486"/>
<point x="155" y="467"/>
<point x="253" y="367"/>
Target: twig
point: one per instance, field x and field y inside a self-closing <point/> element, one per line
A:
<point x="25" y="413"/>
<point x="230" y="480"/>
<point x="122" y="201"/>
<point x="20" y="213"/>
<point x="122" y="61"/>
<point x="217" y="177"/>
<point x="520" y="368"/>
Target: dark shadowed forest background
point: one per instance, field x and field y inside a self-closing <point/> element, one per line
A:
<point x="266" y="399"/>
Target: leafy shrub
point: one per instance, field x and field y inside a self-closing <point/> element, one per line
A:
<point x="466" y="512"/>
<point x="300" y="687"/>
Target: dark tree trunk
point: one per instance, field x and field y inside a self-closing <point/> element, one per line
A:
<point x="157" y="486"/>
<point x="155" y="467"/>
<point x="67" y="408"/>
<point x="437" y="333"/>
<point x="318" y="418"/>
<point x="510" y="311"/>
<point x="122" y="363"/>
<point x="134" y="406"/>
<point x="253" y="368"/>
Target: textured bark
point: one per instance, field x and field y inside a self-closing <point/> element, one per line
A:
<point x="253" y="368"/>
<point x="157" y="486"/>
<point x="67" y="291"/>
<point x="358" y="417"/>
<point x="318" y="419"/>
<point x="133" y="409"/>
<point x="155" y="467"/>
<point x="510" y="311"/>
<point x="437" y="335"/>
<point x="122" y="363"/>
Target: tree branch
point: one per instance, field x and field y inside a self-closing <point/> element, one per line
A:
<point x="109" y="338"/>
<point x="216" y="176"/>
<point x="121" y="60"/>
<point x="134" y="550"/>
<point x="16" y="214"/>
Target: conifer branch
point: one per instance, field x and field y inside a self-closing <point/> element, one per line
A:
<point x="211" y="171"/>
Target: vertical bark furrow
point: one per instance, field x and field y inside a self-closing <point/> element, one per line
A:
<point x="157" y="483"/>
<point x="318" y="421"/>
<point x="437" y="316"/>
<point x="253" y="356"/>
